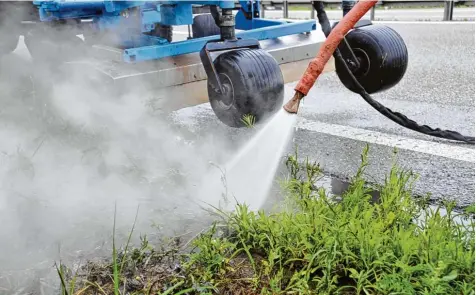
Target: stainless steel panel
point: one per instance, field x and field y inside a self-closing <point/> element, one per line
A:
<point x="179" y="70"/>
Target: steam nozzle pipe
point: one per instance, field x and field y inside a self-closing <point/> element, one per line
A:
<point x="316" y="66"/>
<point x="292" y="106"/>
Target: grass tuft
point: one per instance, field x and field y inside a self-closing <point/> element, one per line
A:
<point x="248" y="120"/>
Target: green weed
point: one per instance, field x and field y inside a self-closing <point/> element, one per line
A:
<point x="248" y="120"/>
<point x="317" y="245"/>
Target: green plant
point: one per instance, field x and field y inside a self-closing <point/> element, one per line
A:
<point x="322" y="246"/>
<point x="248" y="120"/>
<point x="317" y="245"/>
<point x="65" y="275"/>
<point x="118" y="269"/>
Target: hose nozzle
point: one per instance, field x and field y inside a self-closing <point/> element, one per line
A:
<point x="292" y="106"/>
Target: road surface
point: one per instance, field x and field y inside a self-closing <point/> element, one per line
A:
<point x="427" y="14"/>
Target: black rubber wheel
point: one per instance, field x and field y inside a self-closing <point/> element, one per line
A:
<point x="383" y="58"/>
<point x="204" y="25"/>
<point x="253" y="84"/>
<point x="45" y="46"/>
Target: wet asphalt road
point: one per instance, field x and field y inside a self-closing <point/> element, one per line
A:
<point x="437" y="90"/>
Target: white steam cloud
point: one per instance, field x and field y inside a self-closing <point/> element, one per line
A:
<point x="66" y="159"/>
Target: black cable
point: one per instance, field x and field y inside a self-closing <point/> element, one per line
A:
<point x="347" y="6"/>
<point x="394" y="116"/>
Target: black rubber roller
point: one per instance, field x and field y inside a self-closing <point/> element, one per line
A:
<point x="253" y="85"/>
<point x="204" y="25"/>
<point x="382" y="55"/>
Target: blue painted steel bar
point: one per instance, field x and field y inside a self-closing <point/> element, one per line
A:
<point x="130" y="27"/>
<point x="241" y="23"/>
<point x="195" y="45"/>
<point x="247" y="7"/>
<point x="59" y="9"/>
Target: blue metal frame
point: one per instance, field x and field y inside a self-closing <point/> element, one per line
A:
<point x="195" y="45"/>
<point x="129" y="20"/>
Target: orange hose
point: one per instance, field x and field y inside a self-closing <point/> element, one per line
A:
<point x="316" y="66"/>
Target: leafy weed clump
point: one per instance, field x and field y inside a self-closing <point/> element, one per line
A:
<point x="321" y="245"/>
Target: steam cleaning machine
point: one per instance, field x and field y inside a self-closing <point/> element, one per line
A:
<point x="244" y="60"/>
<point x="133" y="40"/>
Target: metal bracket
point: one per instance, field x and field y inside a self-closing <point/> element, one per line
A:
<point x="359" y="24"/>
<point x="363" y="23"/>
<point x="252" y="9"/>
<point x="347" y="51"/>
<point x="218" y="45"/>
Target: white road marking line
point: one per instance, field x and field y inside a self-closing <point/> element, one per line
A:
<point x="400" y="142"/>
